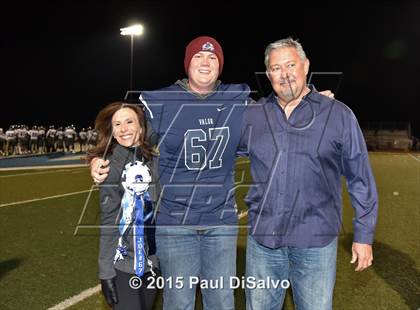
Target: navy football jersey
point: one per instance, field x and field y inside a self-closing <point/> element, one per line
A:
<point x="198" y="140"/>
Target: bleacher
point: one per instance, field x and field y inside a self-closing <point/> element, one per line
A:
<point x="388" y="136"/>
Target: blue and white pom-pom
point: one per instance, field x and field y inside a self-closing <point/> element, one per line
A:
<point x="136" y="177"/>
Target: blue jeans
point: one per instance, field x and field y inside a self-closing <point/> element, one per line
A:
<point x="207" y="254"/>
<point x="311" y="272"/>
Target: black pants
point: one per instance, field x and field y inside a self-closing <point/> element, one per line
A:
<point x="141" y="298"/>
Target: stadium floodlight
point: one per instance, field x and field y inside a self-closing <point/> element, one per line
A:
<point x="134" y="30"/>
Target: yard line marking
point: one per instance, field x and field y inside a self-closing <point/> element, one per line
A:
<point x="45" y="198"/>
<point x="415" y="157"/>
<point x="40" y="172"/>
<point x="44" y="167"/>
<point x="76" y="299"/>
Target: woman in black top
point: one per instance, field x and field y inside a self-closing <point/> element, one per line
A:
<point x="127" y="260"/>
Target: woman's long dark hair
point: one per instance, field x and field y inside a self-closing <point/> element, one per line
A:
<point x="103" y="126"/>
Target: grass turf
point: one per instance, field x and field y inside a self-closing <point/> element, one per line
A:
<point x="42" y="262"/>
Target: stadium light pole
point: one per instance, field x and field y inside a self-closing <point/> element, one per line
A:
<point x="134" y="30"/>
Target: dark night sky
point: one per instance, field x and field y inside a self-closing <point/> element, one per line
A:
<point x="61" y="63"/>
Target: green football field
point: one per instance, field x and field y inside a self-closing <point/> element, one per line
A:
<point x="49" y="240"/>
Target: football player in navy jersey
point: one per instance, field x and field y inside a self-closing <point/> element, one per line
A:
<point x="51" y="139"/>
